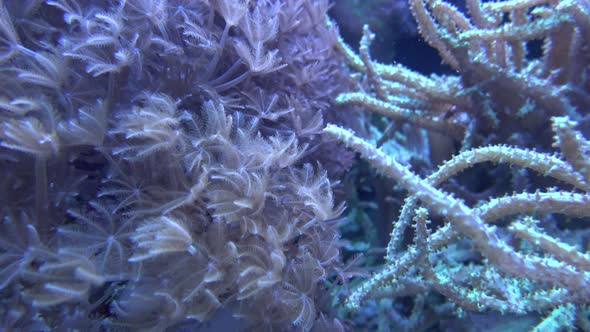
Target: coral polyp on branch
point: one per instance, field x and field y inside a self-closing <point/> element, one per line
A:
<point x="564" y="269"/>
<point x="502" y="225"/>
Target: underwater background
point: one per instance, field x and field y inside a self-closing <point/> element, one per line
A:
<point x="294" y="165"/>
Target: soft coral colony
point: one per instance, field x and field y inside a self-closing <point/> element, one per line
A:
<point x="164" y="161"/>
<point x="158" y="164"/>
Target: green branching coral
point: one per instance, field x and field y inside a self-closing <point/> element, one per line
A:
<point x="503" y="246"/>
<point x="508" y="279"/>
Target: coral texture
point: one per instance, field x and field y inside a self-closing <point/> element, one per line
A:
<point x="505" y="247"/>
<point x="161" y="160"/>
<point x="172" y="165"/>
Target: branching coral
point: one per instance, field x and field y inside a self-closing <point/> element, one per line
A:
<point x="503" y="87"/>
<point x="524" y="280"/>
<point x="519" y="73"/>
<point x="163" y="160"/>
